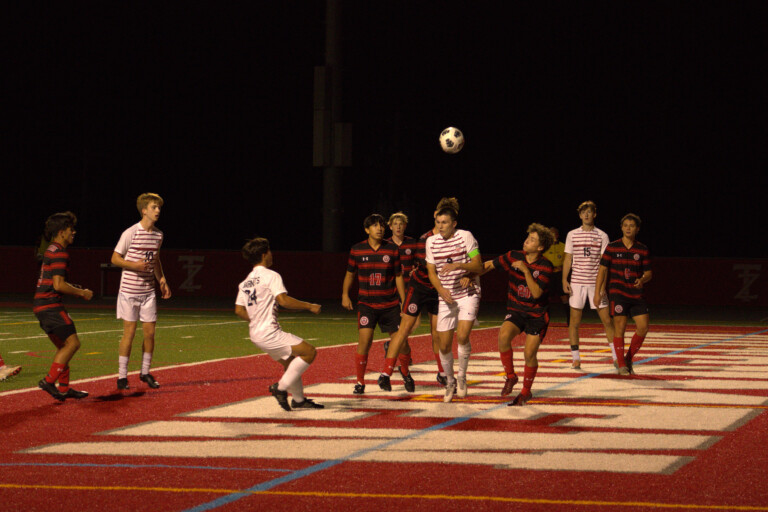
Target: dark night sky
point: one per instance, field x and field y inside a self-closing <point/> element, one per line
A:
<point x="652" y="107"/>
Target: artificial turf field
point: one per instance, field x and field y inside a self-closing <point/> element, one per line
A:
<point x="686" y="433"/>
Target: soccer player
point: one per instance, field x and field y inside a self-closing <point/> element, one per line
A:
<point x="451" y="256"/>
<point x="376" y="263"/>
<point x="49" y="309"/>
<point x="138" y="254"/>
<point x="584" y="246"/>
<point x="406" y="245"/>
<point x="7" y="371"/>
<point x="530" y="275"/>
<point x="626" y="267"/>
<point x="419" y="295"/>
<point x="257" y="300"/>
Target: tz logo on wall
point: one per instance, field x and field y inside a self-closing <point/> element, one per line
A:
<point x="193" y="264"/>
<point x="748" y="274"/>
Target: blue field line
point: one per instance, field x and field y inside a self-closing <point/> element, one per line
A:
<point x="265" y="486"/>
<point x="137" y="466"/>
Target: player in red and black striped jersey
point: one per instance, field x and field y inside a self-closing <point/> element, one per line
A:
<point x="49" y="309"/>
<point x="530" y="276"/>
<point x="407" y="245"/>
<point x="626" y="265"/>
<point x="376" y="263"/>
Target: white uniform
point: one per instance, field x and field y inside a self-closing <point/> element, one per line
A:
<point x="258" y="294"/>
<point x="586" y="249"/>
<point x="459" y="248"/>
<point x="136" y="298"/>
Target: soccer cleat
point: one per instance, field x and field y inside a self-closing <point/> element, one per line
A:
<point x="509" y="384"/>
<point x="450" y="390"/>
<point x="615" y="364"/>
<point x="410" y="385"/>
<point x="280" y="396"/>
<point x="359" y="389"/>
<point x="150" y="380"/>
<point x="306" y="404"/>
<point x="629" y="366"/>
<point x="576" y="365"/>
<point x="521" y="399"/>
<point x="9" y="371"/>
<point x="73" y="393"/>
<point x="461" y="387"/>
<point x="623" y="370"/>
<point x="383" y="383"/>
<point x="123" y="383"/>
<point x="51" y="390"/>
<point x="442" y="380"/>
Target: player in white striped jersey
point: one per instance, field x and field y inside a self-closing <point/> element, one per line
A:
<point x="584" y="246"/>
<point x="451" y="255"/>
<point x="138" y="254"/>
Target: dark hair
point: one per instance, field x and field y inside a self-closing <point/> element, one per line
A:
<point x="630" y="216"/>
<point x="372" y="219"/>
<point x="255" y="249"/>
<point x="447" y="210"/>
<point x="585" y="205"/>
<point x="546" y="238"/>
<point x="58" y="222"/>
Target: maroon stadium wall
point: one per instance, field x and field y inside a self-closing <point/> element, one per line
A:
<point x="317" y="275"/>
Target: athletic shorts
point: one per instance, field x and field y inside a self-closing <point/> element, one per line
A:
<point x="465" y="308"/>
<point x="418" y="299"/>
<point x="56" y="321"/>
<point x="535" y="326"/>
<point x="583" y="293"/>
<point x="388" y="319"/>
<point x="279" y="345"/>
<point x="137" y="307"/>
<point x="628" y="308"/>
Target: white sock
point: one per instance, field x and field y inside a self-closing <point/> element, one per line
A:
<point x="447" y="361"/>
<point x="613" y="350"/>
<point x="146" y="361"/>
<point x="292" y="374"/>
<point x="297" y="391"/>
<point x="575" y="355"/>
<point x="464" y="351"/>
<point x="122" y="367"/>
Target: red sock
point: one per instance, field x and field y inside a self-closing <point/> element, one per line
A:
<point x="361" y="363"/>
<point x="634" y="345"/>
<point x="439" y="364"/>
<point x="389" y="366"/>
<point x="618" y="346"/>
<point x="508" y="362"/>
<point x="54" y="372"/>
<point x="2" y="363"/>
<point x="405" y="360"/>
<point x="64" y="380"/>
<point x="528" y="376"/>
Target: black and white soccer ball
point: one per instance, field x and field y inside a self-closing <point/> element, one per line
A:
<point x="451" y="140"/>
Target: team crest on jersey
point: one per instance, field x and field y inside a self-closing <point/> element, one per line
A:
<point x="619" y="308"/>
<point x="637" y="257"/>
<point x="364" y="320"/>
<point x="386" y="259"/>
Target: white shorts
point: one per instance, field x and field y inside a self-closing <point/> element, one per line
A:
<point x="278" y="346"/>
<point x="137" y="307"/>
<point x="582" y="293"/>
<point x="464" y="308"/>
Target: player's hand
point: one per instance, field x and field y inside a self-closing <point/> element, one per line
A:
<point x="446" y="295"/>
<point x="141" y="266"/>
<point x="520" y="265"/>
<point x="165" y="290"/>
<point x="346" y="303"/>
<point x="448" y="267"/>
<point x="639" y="284"/>
<point x="567" y="288"/>
<point x="87" y="294"/>
<point x="465" y="282"/>
<point x="315" y="308"/>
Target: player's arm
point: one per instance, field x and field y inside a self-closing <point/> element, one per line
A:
<point x="473" y="266"/>
<point x="165" y="290"/>
<point x="600" y="283"/>
<point x="445" y="294"/>
<point x="567" y="262"/>
<point x="288" y="302"/>
<point x="62" y="286"/>
<point x="349" y="278"/>
<point x="137" y="266"/>
<point x="647" y="276"/>
<point x="533" y="286"/>
<point x="241" y="312"/>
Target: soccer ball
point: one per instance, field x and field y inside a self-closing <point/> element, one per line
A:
<point x="451" y="140"/>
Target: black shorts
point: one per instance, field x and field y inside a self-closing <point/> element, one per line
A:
<point x="56" y="321"/>
<point x="533" y="325"/>
<point x="388" y="319"/>
<point x="418" y="299"/>
<point x="631" y="308"/>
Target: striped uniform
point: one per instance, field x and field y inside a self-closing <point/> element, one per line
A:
<point x="586" y="248"/>
<point x="455" y="249"/>
<point x="625" y="266"/>
<point x="519" y="297"/>
<point x="420" y="275"/>
<point x="376" y="272"/>
<point x="138" y="244"/>
<point x="407" y="251"/>
<point x="47" y="304"/>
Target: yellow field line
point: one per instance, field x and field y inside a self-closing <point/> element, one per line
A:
<point x="320" y="494"/>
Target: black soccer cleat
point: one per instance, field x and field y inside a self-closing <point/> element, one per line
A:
<point x="521" y="399"/>
<point x="308" y="403"/>
<point x="73" y="393"/>
<point x="150" y="380"/>
<point x="123" y="383"/>
<point x="51" y="390"/>
<point x="410" y="385"/>
<point x="280" y="396"/>
<point x="442" y="380"/>
<point x="629" y="366"/>
<point x="359" y="389"/>
<point x="383" y="383"/>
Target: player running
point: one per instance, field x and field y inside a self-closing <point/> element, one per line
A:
<point x="626" y="267"/>
<point x="257" y="300"/>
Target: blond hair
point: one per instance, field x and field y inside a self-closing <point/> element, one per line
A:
<point x="398" y="216"/>
<point x="148" y="197"/>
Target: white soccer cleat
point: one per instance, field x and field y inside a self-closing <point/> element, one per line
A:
<point x="9" y="371"/>
<point x="450" y="389"/>
<point x="461" y="387"/>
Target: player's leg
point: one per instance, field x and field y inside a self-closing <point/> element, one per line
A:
<point x="577" y="301"/>
<point x="619" y="328"/>
<point x="148" y="346"/>
<point x="507" y="332"/>
<point x="302" y="355"/>
<point x="605" y="318"/>
<point x="128" y="311"/>
<point x="464" y="349"/>
<point x="67" y="344"/>
<point x="641" y="330"/>
<point x="532" y="343"/>
<point x="441" y="377"/>
<point x="396" y="342"/>
<point x="364" y="341"/>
